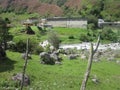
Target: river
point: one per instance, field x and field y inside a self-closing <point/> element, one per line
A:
<point x="86" y="45"/>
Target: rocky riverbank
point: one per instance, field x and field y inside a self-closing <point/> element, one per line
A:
<point x="85" y="45"/>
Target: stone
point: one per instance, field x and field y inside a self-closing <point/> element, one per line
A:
<point x="72" y="56"/>
<point x="118" y="61"/>
<point x="95" y="79"/>
<point x="18" y="77"/>
<point x="98" y="54"/>
<point x="83" y="56"/>
<point x="96" y="59"/>
<point x="111" y="59"/>
<point x="68" y="51"/>
<point x="54" y="56"/>
<point x="23" y="55"/>
<point x="49" y="58"/>
<point x="46" y="59"/>
<point x="58" y="63"/>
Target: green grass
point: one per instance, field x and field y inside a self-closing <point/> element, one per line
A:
<point x="65" y="33"/>
<point x="67" y="76"/>
<point x="16" y="19"/>
<point x="17" y="35"/>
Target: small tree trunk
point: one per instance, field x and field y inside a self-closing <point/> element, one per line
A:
<point x="25" y="65"/>
<point x="87" y="73"/>
<point x="2" y="53"/>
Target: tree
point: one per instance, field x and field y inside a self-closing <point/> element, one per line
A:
<point x="3" y="33"/>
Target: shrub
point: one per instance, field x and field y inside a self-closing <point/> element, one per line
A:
<point x="29" y="30"/>
<point x="53" y="39"/>
<point x="108" y="34"/>
<point x="91" y="26"/>
<point x="11" y="45"/>
<point x="88" y="34"/>
<point x="38" y="50"/>
<point x="71" y="37"/>
<point x="92" y="21"/>
<point x="20" y="45"/>
<point x="85" y="38"/>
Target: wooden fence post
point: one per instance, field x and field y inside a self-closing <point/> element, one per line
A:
<point x="87" y="73"/>
<point x="25" y="64"/>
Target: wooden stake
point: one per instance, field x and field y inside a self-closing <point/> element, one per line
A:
<point x="87" y="73"/>
<point x="25" y="64"/>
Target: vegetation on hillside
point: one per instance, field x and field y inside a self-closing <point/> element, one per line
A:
<point x="71" y="8"/>
<point x="92" y="10"/>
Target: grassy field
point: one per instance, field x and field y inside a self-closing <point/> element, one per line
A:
<point x="64" y="34"/>
<point x="67" y="76"/>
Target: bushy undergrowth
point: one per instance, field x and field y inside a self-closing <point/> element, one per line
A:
<point x="108" y="34"/>
<point x="69" y="35"/>
<point x="53" y="38"/>
<point x="19" y="45"/>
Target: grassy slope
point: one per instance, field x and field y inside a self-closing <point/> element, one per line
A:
<point x="67" y="76"/>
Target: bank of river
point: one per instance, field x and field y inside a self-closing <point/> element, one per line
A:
<point x="87" y="46"/>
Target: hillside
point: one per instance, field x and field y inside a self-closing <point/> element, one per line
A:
<point x="68" y="8"/>
<point x="21" y="6"/>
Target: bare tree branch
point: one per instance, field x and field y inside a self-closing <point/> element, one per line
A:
<point x="98" y="42"/>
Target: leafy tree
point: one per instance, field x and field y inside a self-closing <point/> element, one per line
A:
<point x="3" y="35"/>
<point x="3" y="32"/>
<point x="111" y="10"/>
<point x="61" y="2"/>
